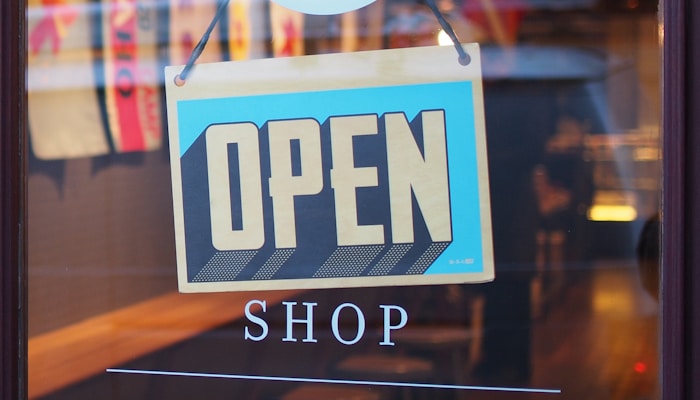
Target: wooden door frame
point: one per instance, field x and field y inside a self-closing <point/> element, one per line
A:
<point x="680" y="276"/>
<point x="680" y="281"/>
<point x="13" y="257"/>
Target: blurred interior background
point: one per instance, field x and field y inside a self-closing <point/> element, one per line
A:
<point x="572" y="100"/>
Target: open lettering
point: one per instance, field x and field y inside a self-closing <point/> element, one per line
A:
<point x="416" y="171"/>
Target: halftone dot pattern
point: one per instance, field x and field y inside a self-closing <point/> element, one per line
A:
<point x="273" y="264"/>
<point x="427" y="259"/>
<point x="348" y="261"/>
<point x="224" y="266"/>
<point x="390" y="259"/>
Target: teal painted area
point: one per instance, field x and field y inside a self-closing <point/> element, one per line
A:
<point x="464" y="255"/>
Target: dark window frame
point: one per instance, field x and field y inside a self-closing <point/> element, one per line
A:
<point x="680" y="277"/>
<point x="13" y="256"/>
<point x="680" y="223"/>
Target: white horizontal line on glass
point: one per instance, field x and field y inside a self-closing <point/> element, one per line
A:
<point x="331" y="381"/>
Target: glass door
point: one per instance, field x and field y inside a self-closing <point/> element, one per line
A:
<point x="572" y="105"/>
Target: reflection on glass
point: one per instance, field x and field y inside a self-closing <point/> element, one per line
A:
<point x="572" y="112"/>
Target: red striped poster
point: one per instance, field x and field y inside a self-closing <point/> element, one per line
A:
<point x="131" y="74"/>
<point x="287" y="31"/>
<point x="64" y="113"/>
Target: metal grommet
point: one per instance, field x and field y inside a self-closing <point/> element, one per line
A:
<point x="179" y="82"/>
<point x="464" y="59"/>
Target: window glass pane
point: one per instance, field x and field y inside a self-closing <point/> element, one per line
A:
<point x="571" y="98"/>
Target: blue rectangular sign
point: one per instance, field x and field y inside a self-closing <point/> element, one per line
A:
<point x="329" y="179"/>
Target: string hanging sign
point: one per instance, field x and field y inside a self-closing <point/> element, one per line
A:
<point x="338" y="170"/>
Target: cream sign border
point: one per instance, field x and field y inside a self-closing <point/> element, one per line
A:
<point x="321" y="73"/>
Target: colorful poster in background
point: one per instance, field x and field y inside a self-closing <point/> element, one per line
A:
<point x="287" y="28"/>
<point x="94" y="68"/>
<point x="94" y="78"/>
<point x="240" y="30"/>
<point x="188" y="21"/>
<point x="246" y="29"/>
<point x="132" y="74"/>
<point x="339" y="170"/>
<point x="63" y="106"/>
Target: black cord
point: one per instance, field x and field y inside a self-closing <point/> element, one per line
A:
<point x="199" y="48"/>
<point x="464" y="58"/>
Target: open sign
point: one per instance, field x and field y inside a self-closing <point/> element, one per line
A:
<point x="310" y="177"/>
